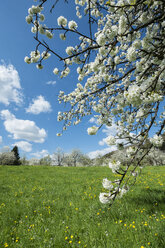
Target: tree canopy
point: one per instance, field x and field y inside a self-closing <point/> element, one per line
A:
<point x="121" y="74"/>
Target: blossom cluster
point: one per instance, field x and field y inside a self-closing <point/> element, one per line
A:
<point x="156" y="140"/>
<point x="120" y="64"/>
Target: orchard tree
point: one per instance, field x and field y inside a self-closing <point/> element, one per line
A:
<point x="46" y="160"/>
<point x="75" y="156"/>
<point x="7" y="158"/>
<point x="120" y="59"/>
<point x="58" y="157"/>
<point x="68" y="160"/>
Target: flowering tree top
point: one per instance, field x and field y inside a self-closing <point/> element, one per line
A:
<point x="121" y="73"/>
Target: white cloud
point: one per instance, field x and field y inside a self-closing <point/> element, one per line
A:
<point x="5" y="149"/>
<point x="22" y="129"/>
<point x="40" y="154"/>
<point x="23" y="145"/>
<point x="92" y="120"/>
<point x="38" y="106"/>
<point x="51" y="83"/>
<point x="101" y="152"/>
<point x="110" y="130"/>
<point x="9" y="85"/>
<point x="0" y="139"/>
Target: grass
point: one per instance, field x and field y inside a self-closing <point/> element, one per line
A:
<point x="50" y="207"/>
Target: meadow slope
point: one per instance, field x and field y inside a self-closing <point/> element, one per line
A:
<point x="50" y="207"/>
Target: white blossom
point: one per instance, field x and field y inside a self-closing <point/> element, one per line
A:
<point x="107" y="184"/>
<point x="45" y="55"/>
<point x="122" y="24"/>
<point x="110" y="140"/>
<point x="140" y="114"/>
<point x="72" y="25"/>
<point x="62" y="37"/>
<point x="92" y="130"/>
<point x="27" y="60"/>
<point x="59" y="134"/>
<point x="35" y="56"/>
<point x="29" y="19"/>
<point x="104" y="198"/>
<point x="123" y="191"/>
<point x="49" y="34"/>
<point x="34" y="29"/>
<point x="55" y="71"/>
<point x="41" y="29"/>
<point x="70" y="50"/>
<point x="65" y="72"/>
<point x="131" y="54"/>
<point x="39" y="66"/>
<point x="156" y="140"/>
<point x="62" y="21"/>
<point x="114" y="166"/>
<point x="35" y="9"/>
<point x="101" y="40"/>
<point x="42" y="18"/>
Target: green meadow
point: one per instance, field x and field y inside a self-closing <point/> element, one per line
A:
<point x="58" y="207"/>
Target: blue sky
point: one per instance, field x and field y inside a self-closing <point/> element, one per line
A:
<point x="28" y="97"/>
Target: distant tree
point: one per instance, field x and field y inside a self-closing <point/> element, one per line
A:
<point x="58" y="157"/>
<point x="84" y="160"/>
<point x="46" y="161"/>
<point x="156" y="157"/>
<point x="7" y="158"/>
<point x="75" y="156"/>
<point x="100" y="161"/>
<point x="16" y="154"/>
<point x="34" y="161"/>
<point x="24" y="160"/>
<point x="68" y="160"/>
